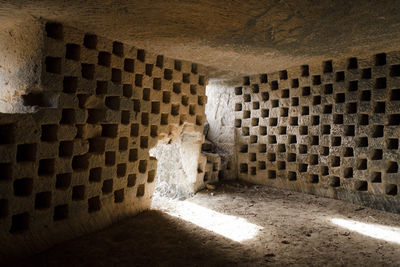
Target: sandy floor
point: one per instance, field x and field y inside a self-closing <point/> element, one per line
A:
<point x="292" y="229"/>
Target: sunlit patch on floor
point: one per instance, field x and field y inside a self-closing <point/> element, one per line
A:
<point x="387" y="233"/>
<point x="232" y="227"/>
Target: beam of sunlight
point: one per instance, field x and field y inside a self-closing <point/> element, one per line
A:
<point x="232" y="227"/>
<point x="387" y="233"/>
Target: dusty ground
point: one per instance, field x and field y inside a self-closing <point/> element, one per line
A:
<point x="296" y="231"/>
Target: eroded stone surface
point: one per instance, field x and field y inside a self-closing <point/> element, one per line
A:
<point x="82" y="160"/>
<point x="21" y="45"/>
<point x="220" y="117"/>
<point x="178" y="175"/>
<point x="247" y="37"/>
<point x="329" y="129"/>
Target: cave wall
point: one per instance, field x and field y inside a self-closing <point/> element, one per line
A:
<point x="220" y="117"/>
<point x="330" y="129"/>
<point x="81" y="161"/>
<point x="180" y="170"/>
<point x="21" y="52"/>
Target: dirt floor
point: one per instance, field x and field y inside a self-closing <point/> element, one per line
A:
<point x="295" y="229"/>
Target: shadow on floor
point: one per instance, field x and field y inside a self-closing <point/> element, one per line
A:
<point x="151" y="239"/>
<point x="297" y="229"/>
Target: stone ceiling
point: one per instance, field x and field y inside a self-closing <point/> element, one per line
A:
<point x="231" y="37"/>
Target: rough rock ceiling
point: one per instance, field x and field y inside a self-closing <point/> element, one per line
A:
<point x="230" y="36"/>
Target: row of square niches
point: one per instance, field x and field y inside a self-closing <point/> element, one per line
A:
<point x="378" y="107"/>
<point x="43" y="201"/>
<point x="349" y="130"/>
<point x="49" y="132"/>
<point x="374" y="154"/>
<point x="377" y="131"/>
<point x="23" y="187"/>
<point x="71" y="84"/>
<point x="54" y="65"/>
<point x="327" y="68"/>
<point x="96" y="116"/>
<point x="69" y="116"/>
<point x="315" y="121"/>
<point x="97" y="145"/>
<point x="73" y="51"/>
<point x="347" y="173"/>
<point x="47" y="167"/>
<point x="114" y="102"/>
<point x="313" y="159"/>
<point x="364" y="96"/>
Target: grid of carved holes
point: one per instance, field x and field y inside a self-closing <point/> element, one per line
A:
<point x="324" y="126"/>
<point x="185" y="106"/>
<point x="68" y="148"/>
<point x="98" y="173"/>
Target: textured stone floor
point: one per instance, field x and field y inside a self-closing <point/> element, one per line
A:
<point x="293" y="229"/>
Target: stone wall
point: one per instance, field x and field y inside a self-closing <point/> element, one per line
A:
<point x="21" y="52"/>
<point x="220" y="152"/>
<point x="82" y="160"/>
<point x="330" y="129"/>
<point x="179" y="168"/>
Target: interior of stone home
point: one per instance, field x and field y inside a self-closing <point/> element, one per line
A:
<point x="199" y="133"/>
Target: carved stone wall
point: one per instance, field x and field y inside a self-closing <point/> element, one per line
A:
<point x="330" y="129"/>
<point x="82" y="160"/>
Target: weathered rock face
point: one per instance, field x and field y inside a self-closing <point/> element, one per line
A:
<point x="220" y="116"/>
<point x="220" y="111"/>
<point x="247" y="37"/>
<point x="178" y="166"/>
<point x="74" y="155"/>
<point x="330" y="129"/>
<point x="82" y="160"/>
<point x="21" y="45"/>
